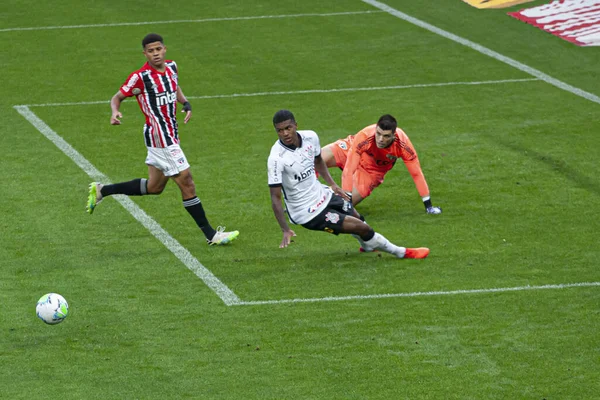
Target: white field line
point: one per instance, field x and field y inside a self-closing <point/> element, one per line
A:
<point x="420" y="294"/>
<point x="224" y="293"/>
<point x="309" y="91"/>
<point x="485" y="50"/>
<point x="185" y="21"/>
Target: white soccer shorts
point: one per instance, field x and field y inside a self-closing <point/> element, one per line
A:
<point x="169" y="160"/>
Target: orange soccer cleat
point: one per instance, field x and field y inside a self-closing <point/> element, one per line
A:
<point x="420" y="252"/>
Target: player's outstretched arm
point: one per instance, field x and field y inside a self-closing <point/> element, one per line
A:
<point x="115" y="105"/>
<point x="414" y="168"/>
<point x="280" y="216"/>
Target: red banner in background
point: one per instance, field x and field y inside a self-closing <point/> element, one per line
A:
<point x="577" y="21"/>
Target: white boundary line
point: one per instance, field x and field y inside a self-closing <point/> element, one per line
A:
<point x="484" y="50"/>
<point x="309" y="91"/>
<point x="420" y="294"/>
<point x="224" y="293"/>
<point x="186" y="21"/>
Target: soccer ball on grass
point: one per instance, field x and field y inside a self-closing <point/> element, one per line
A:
<point x="52" y="308"/>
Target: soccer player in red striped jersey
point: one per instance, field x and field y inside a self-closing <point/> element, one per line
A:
<point x="157" y="91"/>
<point x="366" y="157"/>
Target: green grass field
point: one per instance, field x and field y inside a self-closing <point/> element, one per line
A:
<point x="507" y="306"/>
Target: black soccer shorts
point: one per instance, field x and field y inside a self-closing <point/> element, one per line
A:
<point x="332" y="217"/>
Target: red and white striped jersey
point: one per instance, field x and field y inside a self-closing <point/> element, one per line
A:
<point x="156" y="93"/>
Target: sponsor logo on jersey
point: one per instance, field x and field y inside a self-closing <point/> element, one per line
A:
<point x="136" y="91"/>
<point x="332" y="217"/>
<point x="304" y="174"/>
<point x="362" y="146"/>
<point x="131" y="83"/>
<point x="314" y="208"/>
<point x="273" y="173"/>
<point x="382" y="162"/>
<point x="164" y="98"/>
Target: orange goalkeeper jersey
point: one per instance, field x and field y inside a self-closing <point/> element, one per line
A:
<point x="364" y="155"/>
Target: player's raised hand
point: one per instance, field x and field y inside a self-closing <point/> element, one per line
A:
<point x="115" y="119"/>
<point x="287" y="238"/>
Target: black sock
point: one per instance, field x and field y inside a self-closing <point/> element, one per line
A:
<point x="368" y="236"/>
<point x="194" y="207"/>
<point x="136" y="187"/>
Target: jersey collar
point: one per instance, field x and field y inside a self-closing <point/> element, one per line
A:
<point x="292" y="147"/>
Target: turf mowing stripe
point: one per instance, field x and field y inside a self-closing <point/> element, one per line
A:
<point x="360" y="89"/>
<point x="419" y="294"/>
<point x="186" y="21"/>
<point x="224" y="293"/>
<point x="485" y="50"/>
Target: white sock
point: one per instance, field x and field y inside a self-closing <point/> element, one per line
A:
<point x="379" y="242"/>
<point x="362" y="243"/>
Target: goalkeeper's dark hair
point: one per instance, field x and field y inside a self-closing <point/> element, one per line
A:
<point x="151" y="38"/>
<point x="283" y="115"/>
<point x="387" y="123"/>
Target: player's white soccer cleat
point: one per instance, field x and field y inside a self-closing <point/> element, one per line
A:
<point x="221" y="237"/>
<point x="434" y="210"/>
<point x="94" y="197"/>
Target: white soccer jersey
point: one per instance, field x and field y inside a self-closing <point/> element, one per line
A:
<point x="294" y="170"/>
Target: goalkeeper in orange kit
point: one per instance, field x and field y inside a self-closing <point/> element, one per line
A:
<point x="366" y="157"/>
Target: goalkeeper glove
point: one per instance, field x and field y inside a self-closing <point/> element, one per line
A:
<point x="434" y="210"/>
<point x="429" y="207"/>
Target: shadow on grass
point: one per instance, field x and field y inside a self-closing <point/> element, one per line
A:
<point x="554" y="164"/>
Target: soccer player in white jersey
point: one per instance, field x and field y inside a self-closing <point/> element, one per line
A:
<point x="291" y="175"/>
<point x="156" y="89"/>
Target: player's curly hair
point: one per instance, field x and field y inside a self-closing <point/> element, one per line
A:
<point x="151" y="38"/>
<point x="387" y="123"/>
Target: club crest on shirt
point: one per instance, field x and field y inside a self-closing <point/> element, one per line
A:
<point x="307" y="153"/>
<point x="136" y="91"/>
<point x="391" y="157"/>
